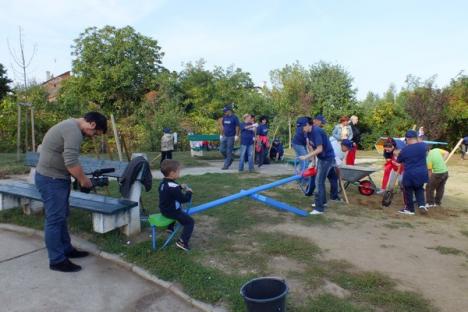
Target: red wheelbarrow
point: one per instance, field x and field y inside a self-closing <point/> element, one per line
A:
<point x="355" y="175"/>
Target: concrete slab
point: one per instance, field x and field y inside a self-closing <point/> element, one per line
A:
<point x="27" y="284"/>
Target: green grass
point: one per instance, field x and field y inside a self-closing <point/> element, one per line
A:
<point x="9" y="165"/>
<point x="443" y="250"/>
<point x="398" y="225"/>
<point x="233" y="244"/>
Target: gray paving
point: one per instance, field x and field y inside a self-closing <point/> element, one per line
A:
<point x="27" y="284"/>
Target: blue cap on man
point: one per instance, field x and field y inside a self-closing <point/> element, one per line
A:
<point x="321" y="119"/>
<point x="411" y="134"/>
<point x="167" y="130"/>
<point x="302" y="121"/>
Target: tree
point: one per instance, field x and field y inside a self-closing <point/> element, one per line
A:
<point x="457" y="109"/>
<point x="113" y="68"/>
<point x="4" y="82"/>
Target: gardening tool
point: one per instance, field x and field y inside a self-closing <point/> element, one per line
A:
<point x="342" y="186"/>
<point x="388" y="195"/>
<point x="454" y="149"/>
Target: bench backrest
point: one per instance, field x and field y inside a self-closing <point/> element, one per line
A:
<point x="89" y="164"/>
<point x="203" y="137"/>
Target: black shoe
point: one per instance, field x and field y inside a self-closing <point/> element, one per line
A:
<point x="65" y="266"/>
<point x="182" y="245"/>
<point x="225" y="168"/>
<point x="75" y="253"/>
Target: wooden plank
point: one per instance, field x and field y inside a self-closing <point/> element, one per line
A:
<point x="91" y="202"/>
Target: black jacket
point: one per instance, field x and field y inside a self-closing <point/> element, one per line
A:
<point x="131" y="173"/>
<point x="171" y="196"/>
<point x="356" y="134"/>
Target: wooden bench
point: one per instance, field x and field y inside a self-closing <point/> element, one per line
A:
<point x="108" y="213"/>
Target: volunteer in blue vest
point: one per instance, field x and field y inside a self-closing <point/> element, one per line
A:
<point x="325" y="160"/>
<point x="300" y="139"/>
<point x="229" y="134"/>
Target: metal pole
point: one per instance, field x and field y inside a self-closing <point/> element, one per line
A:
<point x="18" y="135"/>
<point x="116" y="136"/>
<point x="33" y="138"/>
<point x="277" y="204"/>
<point x="241" y="194"/>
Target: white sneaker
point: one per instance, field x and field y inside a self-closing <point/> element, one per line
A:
<point x="406" y="212"/>
<point x="381" y="191"/>
<point x="423" y="209"/>
<point x="324" y="205"/>
<point x="316" y="212"/>
<point x="429" y="206"/>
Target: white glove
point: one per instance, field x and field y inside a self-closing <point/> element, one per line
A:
<point x="236" y="138"/>
<point x="255" y="125"/>
<point x="220" y="137"/>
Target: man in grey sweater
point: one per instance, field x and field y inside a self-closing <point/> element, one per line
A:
<point x="58" y="161"/>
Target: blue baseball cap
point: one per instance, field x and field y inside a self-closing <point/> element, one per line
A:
<point x="321" y="119"/>
<point x="167" y="130"/>
<point x="411" y="134"/>
<point x="348" y="143"/>
<point x="228" y="108"/>
<point x="302" y="121"/>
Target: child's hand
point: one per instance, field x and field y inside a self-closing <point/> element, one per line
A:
<point x="302" y="157"/>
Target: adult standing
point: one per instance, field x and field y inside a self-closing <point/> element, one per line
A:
<point x="438" y="176"/>
<point x="300" y="139"/>
<point x="229" y="134"/>
<point x="262" y="141"/>
<point x="464" y="147"/>
<point x="58" y="160"/>
<point x="342" y="130"/>
<point x="325" y="160"/>
<point x="356" y="139"/>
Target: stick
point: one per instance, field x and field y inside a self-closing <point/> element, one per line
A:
<point x="342" y="187"/>
<point x="116" y="136"/>
<point x="157" y="156"/>
<point x="108" y="147"/>
<point x="125" y="147"/>
<point x="454" y="150"/>
<point x="271" y="143"/>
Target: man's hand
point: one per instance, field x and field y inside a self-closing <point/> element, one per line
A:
<point x="86" y="183"/>
<point x="304" y="157"/>
<point x="236" y="138"/>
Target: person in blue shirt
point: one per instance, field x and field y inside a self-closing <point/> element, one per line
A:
<point x="300" y="139"/>
<point x="464" y="147"/>
<point x="229" y="134"/>
<point x="247" y="136"/>
<point x="323" y="150"/>
<point x="277" y="150"/>
<point x="262" y="141"/>
<point x="413" y="157"/>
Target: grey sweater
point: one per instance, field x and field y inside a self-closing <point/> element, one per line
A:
<point x="60" y="149"/>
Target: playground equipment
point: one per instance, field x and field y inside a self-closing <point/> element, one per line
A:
<point x="158" y="220"/>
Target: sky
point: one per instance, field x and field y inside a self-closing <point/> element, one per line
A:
<point x="378" y="42"/>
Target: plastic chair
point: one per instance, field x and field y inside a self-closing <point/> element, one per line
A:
<point x="158" y="221"/>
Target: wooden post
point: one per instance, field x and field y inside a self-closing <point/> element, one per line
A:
<point x="117" y="139"/>
<point x="289" y="128"/>
<point x="18" y="135"/>
<point x="33" y="135"/>
<point x="125" y="147"/>
<point x="454" y="150"/>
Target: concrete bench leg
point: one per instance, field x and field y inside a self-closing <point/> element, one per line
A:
<point x="31" y="206"/>
<point x="9" y="202"/>
<point x="133" y="226"/>
<point x="103" y="223"/>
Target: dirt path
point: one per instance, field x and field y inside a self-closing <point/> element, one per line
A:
<point x="426" y="254"/>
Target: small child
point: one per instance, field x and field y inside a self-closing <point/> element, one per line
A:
<point x="277" y="150"/>
<point x="391" y="165"/>
<point x="167" y="144"/>
<point x="171" y="197"/>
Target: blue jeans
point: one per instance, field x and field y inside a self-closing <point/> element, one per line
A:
<point x="226" y="147"/>
<point x="185" y="220"/>
<point x="301" y="150"/>
<point x="55" y="194"/>
<point x="246" y="149"/>
<point x="333" y="179"/>
<point x="323" y="168"/>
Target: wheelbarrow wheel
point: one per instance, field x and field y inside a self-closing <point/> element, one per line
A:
<point x="366" y="188"/>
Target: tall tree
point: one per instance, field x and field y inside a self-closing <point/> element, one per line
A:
<point x="113" y="68"/>
<point x="4" y="82"/>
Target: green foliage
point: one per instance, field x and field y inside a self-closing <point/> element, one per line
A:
<point x="4" y="83"/>
<point x="113" y="68"/>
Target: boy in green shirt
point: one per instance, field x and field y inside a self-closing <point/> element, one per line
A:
<point x="438" y="175"/>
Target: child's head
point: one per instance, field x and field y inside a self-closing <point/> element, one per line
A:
<point x="263" y="119"/>
<point x="389" y="145"/>
<point x="346" y="145"/>
<point x="247" y="118"/>
<point x="170" y="168"/>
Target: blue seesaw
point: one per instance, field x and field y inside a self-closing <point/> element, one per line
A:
<point x="253" y="193"/>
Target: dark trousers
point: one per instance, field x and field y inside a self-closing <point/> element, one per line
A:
<point x="55" y="194"/>
<point x="418" y="191"/>
<point x="436" y="184"/>
<point x="185" y="220"/>
<point x="166" y="155"/>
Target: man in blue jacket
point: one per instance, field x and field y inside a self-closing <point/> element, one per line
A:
<point x="229" y="134"/>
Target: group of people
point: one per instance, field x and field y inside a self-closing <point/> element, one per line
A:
<point x="254" y="143"/>
<point x="313" y="146"/>
<point x="417" y="165"/>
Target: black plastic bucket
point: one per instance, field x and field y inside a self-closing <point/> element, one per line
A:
<point x="265" y="294"/>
